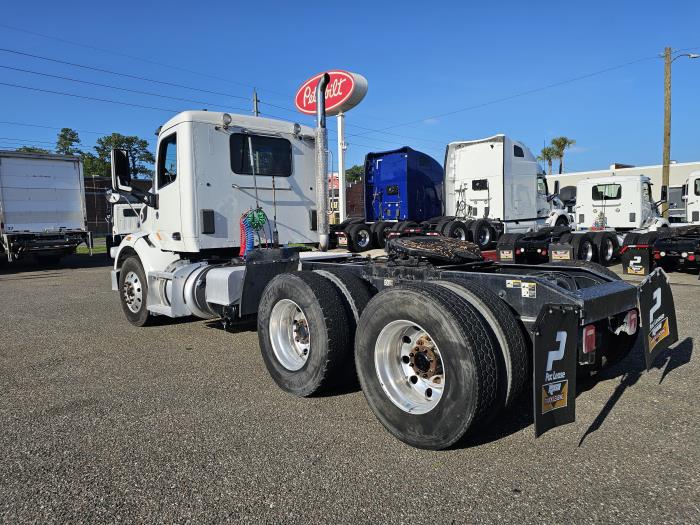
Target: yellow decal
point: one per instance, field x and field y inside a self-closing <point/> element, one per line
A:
<point x="661" y="334"/>
<point x="554" y="395"/>
<point x="506" y="255"/>
<point x="561" y="255"/>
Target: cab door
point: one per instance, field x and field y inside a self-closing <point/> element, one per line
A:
<point x="167" y="220"/>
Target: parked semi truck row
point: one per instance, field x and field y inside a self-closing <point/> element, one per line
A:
<point x="441" y="340"/>
<point x="42" y="206"/>
<point x="605" y="210"/>
<point x="488" y="187"/>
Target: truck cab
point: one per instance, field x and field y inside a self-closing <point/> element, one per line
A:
<point x="498" y="178"/>
<point x="222" y="182"/>
<point x="620" y="202"/>
<point x="691" y="196"/>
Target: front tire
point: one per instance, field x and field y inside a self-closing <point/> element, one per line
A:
<point x="426" y="364"/>
<point x="133" y="292"/>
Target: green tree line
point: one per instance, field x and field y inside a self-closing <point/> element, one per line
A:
<point x="96" y="163"/>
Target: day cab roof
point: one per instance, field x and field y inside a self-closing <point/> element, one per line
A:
<point x="614" y="179"/>
<point x="216" y="118"/>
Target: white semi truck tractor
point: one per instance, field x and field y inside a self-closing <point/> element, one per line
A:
<point x="609" y="213"/>
<point x="439" y="339"/>
<point x="495" y="186"/>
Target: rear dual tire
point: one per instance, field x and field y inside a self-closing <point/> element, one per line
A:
<point x="428" y="407"/>
<point x="306" y="325"/>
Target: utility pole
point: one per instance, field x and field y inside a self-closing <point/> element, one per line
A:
<point x="256" y="112"/>
<point x="665" y="170"/>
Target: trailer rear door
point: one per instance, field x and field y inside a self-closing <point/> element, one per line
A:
<point x="41" y="194"/>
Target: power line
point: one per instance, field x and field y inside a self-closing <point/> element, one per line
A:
<point x="117" y="73"/>
<point x="11" y="123"/>
<point x="133" y="57"/>
<point x="521" y="94"/>
<point x="169" y="110"/>
<point x="109" y="86"/>
<point x="146" y="79"/>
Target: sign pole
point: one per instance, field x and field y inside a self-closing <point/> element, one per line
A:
<point x="341" y="166"/>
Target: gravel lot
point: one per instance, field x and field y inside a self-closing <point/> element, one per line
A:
<point x="102" y="421"/>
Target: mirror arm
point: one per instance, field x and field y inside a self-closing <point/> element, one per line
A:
<point x="149" y="199"/>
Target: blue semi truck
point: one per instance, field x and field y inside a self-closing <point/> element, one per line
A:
<point x="403" y="189"/>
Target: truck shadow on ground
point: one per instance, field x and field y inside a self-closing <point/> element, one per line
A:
<point x="70" y="262"/>
<point x="629" y="370"/>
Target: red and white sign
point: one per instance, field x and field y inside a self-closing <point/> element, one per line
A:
<point x="344" y="91"/>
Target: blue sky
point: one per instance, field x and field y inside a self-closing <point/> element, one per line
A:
<point x="421" y="59"/>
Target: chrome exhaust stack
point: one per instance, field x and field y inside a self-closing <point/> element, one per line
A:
<point x="322" y="164"/>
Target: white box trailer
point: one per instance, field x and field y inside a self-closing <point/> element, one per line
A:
<point x="42" y="205"/>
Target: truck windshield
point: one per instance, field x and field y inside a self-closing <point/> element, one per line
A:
<point x="271" y="156"/>
<point x="606" y="192"/>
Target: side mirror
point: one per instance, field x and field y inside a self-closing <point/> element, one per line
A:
<point x="121" y="170"/>
<point x="664" y="193"/>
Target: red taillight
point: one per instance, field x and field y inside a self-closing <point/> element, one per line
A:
<point x="544" y="251"/>
<point x="588" y="339"/>
<point x="518" y="250"/>
<point x="691" y="257"/>
<point x="631" y="321"/>
<point x="657" y="254"/>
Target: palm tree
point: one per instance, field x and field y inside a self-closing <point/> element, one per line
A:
<point x="548" y="154"/>
<point x="561" y="144"/>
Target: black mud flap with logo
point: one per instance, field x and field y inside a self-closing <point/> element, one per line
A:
<point x="555" y="359"/>
<point x="657" y="315"/>
<point x="636" y="260"/>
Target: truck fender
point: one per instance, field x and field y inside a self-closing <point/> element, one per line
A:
<point x="151" y="256"/>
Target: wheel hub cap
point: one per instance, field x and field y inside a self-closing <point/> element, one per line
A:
<point x="289" y="335"/>
<point x="409" y="367"/>
<point x="132" y="291"/>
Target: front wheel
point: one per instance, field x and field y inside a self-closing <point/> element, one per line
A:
<point x="426" y="363"/>
<point x="133" y="292"/>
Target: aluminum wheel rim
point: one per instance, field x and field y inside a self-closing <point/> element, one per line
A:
<point x="587" y="250"/>
<point x="608" y="249"/>
<point x="363" y="238"/>
<point x="484" y="237"/>
<point x="461" y="234"/>
<point x="409" y="367"/>
<point x="289" y="335"/>
<point x="133" y="292"/>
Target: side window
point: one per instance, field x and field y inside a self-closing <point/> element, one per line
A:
<point x="697" y="186"/>
<point x="606" y="192"/>
<point x="646" y="191"/>
<point x="518" y="151"/>
<point x="541" y="186"/>
<point x="167" y="161"/>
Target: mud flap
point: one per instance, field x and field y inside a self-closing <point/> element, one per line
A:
<point x="657" y="315"/>
<point x="636" y="260"/>
<point x="554" y="369"/>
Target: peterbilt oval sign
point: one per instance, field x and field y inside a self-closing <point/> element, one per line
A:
<point x="344" y="91"/>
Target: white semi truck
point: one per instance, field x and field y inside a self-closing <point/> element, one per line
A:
<point x="606" y="210"/>
<point x="439" y="344"/>
<point x="494" y="186"/>
<point x="42" y="206"/>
